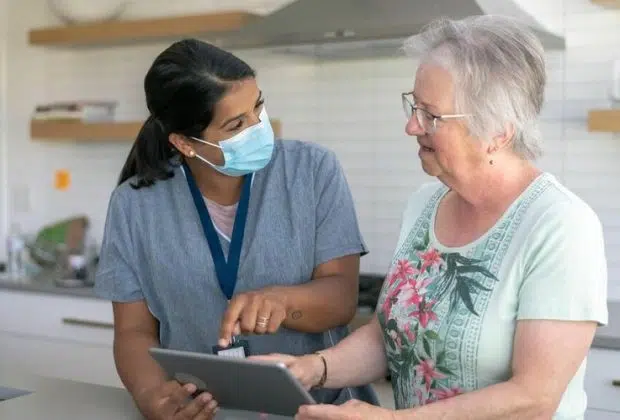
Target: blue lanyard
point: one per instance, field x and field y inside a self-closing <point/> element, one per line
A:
<point x="226" y="271"/>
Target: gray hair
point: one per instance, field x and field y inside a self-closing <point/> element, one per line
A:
<point x="498" y="68"/>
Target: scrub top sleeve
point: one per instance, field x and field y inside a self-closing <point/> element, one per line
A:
<point x="337" y="228"/>
<point x="117" y="277"/>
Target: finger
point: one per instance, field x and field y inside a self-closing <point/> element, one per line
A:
<point x="263" y="318"/>
<point x="275" y="358"/>
<point x="321" y="412"/>
<point x="180" y="395"/>
<point x="278" y="315"/>
<point x="237" y="329"/>
<point x="194" y="407"/>
<point x="230" y="318"/>
<point x="208" y="412"/>
<point x="248" y="315"/>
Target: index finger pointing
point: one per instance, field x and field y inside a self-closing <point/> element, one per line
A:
<point x="230" y="319"/>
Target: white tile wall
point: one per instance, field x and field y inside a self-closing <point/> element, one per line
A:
<point x="351" y="106"/>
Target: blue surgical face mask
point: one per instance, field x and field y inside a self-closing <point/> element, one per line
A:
<point x="247" y="151"/>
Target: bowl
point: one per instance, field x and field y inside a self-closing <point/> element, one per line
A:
<point x="87" y="11"/>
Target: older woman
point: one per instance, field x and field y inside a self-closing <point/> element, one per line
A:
<point x="499" y="277"/>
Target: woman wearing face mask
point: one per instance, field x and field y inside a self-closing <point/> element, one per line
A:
<point x="217" y="230"/>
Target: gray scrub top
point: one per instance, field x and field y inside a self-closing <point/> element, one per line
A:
<point x="301" y="214"/>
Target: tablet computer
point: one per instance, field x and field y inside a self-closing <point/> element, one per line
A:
<point x="237" y="383"/>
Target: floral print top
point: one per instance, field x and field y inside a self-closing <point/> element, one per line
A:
<point x="449" y="314"/>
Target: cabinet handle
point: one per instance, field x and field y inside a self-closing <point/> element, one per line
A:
<point x="87" y="323"/>
<point x="616" y="383"/>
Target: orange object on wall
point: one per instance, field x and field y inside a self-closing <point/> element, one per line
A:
<point x="62" y="180"/>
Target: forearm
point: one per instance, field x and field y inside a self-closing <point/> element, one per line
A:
<point x="357" y="360"/>
<point x="319" y="305"/>
<point x="505" y="401"/>
<point x="137" y="370"/>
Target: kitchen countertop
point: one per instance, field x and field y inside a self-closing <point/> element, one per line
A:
<point x="58" y="399"/>
<point x="44" y="283"/>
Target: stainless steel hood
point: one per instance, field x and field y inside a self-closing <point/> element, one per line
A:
<point x="373" y="24"/>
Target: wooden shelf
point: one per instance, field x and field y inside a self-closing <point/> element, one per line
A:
<point x="607" y="3"/>
<point x="121" y="131"/>
<point x="604" y="120"/>
<point x="71" y="130"/>
<point x="133" y="31"/>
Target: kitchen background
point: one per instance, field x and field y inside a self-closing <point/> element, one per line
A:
<point x="350" y="106"/>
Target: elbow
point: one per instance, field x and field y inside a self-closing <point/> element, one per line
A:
<point x="542" y="409"/>
<point x="348" y="310"/>
<point x="538" y="404"/>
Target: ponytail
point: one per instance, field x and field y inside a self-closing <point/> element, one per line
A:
<point x="149" y="157"/>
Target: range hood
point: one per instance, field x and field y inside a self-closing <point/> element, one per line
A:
<point x="338" y="26"/>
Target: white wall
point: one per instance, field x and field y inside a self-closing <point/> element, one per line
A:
<point x="353" y="107"/>
<point x="3" y="122"/>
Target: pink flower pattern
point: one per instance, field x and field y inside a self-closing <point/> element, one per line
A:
<point x="423" y="291"/>
<point x="426" y="370"/>
<point x="442" y="393"/>
<point x="424" y="313"/>
<point x="406" y="301"/>
<point x="430" y="258"/>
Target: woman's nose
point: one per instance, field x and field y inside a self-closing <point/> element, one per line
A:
<point x="413" y="127"/>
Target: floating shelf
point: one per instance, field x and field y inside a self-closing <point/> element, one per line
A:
<point x="141" y="30"/>
<point x="607" y="3"/>
<point x="121" y="131"/>
<point x="604" y="120"/>
<point x="65" y="130"/>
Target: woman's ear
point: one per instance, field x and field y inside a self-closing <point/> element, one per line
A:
<point x="503" y="139"/>
<point x="181" y="144"/>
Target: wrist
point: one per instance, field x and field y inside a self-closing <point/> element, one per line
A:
<point x="320" y="376"/>
<point x="393" y="414"/>
<point x="142" y="393"/>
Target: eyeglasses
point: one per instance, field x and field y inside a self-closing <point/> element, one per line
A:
<point x="427" y="120"/>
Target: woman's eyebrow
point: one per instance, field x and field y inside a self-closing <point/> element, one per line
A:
<point x="260" y="96"/>
<point x="425" y="104"/>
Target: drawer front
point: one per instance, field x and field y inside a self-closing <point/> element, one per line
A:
<point x="58" y="317"/>
<point x="80" y="362"/>
<point x="603" y="380"/>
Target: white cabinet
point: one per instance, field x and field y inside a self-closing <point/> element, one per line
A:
<point x="592" y="414"/>
<point x="59" y="336"/>
<point x="603" y="368"/>
<point x="78" y="319"/>
<point x="60" y="359"/>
